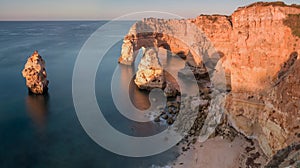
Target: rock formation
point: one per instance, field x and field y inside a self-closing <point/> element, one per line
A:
<point x="171" y="35"/>
<point x="170" y="90"/>
<point x="150" y="73"/>
<point x="35" y="74"/>
<point x="257" y="48"/>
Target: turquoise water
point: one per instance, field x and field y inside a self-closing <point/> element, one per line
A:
<point x="44" y="131"/>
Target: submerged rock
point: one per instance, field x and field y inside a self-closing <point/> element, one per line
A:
<point x="170" y="90"/>
<point x="150" y="73"/>
<point x="35" y="74"/>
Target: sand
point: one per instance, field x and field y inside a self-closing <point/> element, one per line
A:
<point x="219" y="153"/>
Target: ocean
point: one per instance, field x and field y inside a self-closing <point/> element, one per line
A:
<point x="44" y="131"/>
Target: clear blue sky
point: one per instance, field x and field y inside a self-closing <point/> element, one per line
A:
<point x="109" y="9"/>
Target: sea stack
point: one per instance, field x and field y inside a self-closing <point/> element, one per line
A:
<point x="35" y="74"/>
<point x="150" y="72"/>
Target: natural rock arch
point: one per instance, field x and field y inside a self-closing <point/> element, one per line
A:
<point x="171" y="35"/>
<point x="257" y="42"/>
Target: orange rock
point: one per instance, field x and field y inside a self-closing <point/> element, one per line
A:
<point x="258" y="47"/>
<point x="35" y="74"/>
<point x="150" y="72"/>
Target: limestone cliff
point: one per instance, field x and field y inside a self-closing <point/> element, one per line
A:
<point x="257" y="47"/>
<point x="150" y="73"/>
<point x="35" y="74"/>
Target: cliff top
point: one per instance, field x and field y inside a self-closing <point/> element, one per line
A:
<point x="256" y="4"/>
<point x="276" y="3"/>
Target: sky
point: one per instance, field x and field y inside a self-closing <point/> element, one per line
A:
<point x="111" y="9"/>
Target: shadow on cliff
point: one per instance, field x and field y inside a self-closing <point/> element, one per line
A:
<point x="286" y="66"/>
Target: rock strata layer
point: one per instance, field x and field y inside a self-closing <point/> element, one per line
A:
<point x="257" y="48"/>
<point x="35" y="74"/>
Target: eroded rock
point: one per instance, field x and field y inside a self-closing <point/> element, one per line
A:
<point x="35" y="74"/>
<point x="150" y="73"/>
<point x="258" y="47"/>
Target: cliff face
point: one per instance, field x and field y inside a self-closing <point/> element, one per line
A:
<point x="258" y="48"/>
<point x="261" y="43"/>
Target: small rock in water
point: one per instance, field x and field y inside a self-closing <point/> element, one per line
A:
<point x="157" y="119"/>
<point x="165" y="116"/>
<point x="170" y="121"/>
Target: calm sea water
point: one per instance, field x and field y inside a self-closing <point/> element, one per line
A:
<point x="44" y="131"/>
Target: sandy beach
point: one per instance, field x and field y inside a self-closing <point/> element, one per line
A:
<point x="219" y="152"/>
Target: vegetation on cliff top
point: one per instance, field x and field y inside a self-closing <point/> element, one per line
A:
<point x="293" y="21"/>
<point x="276" y="3"/>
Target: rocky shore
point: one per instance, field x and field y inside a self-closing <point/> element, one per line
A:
<point x="255" y="50"/>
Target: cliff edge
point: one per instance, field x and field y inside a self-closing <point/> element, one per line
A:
<point x="258" y="47"/>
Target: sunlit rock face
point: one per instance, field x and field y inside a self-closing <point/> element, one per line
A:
<point x="259" y="45"/>
<point x="261" y="65"/>
<point x="35" y="74"/>
<point x="254" y="41"/>
<point x="150" y="72"/>
<point x="180" y="37"/>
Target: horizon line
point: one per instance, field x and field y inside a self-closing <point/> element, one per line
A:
<point x="64" y="20"/>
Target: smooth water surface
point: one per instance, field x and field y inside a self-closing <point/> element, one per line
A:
<point x="44" y="131"/>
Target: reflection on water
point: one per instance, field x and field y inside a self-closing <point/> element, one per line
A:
<point x="61" y="142"/>
<point x="139" y="99"/>
<point x="37" y="108"/>
<point x="124" y="86"/>
<point x="126" y="93"/>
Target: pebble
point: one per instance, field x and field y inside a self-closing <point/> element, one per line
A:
<point x="157" y="119"/>
<point x="165" y="116"/>
<point x="194" y="140"/>
<point x="192" y="132"/>
<point x="170" y="121"/>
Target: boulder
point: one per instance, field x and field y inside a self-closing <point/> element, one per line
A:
<point x="170" y="90"/>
